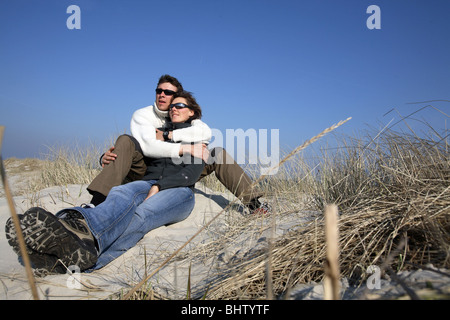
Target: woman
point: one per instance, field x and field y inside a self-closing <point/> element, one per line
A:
<point x="92" y="237"/>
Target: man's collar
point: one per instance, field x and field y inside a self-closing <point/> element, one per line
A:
<point x="160" y="113"/>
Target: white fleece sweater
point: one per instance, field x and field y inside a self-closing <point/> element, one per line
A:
<point x="143" y="127"/>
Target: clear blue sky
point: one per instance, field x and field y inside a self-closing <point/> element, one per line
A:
<point x="296" y="66"/>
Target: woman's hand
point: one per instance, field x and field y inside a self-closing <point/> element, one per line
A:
<point x="198" y="150"/>
<point x="153" y="190"/>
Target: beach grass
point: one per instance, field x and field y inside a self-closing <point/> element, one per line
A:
<point x="393" y="194"/>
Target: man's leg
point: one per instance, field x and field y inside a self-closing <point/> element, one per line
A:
<point x="128" y="166"/>
<point x="233" y="177"/>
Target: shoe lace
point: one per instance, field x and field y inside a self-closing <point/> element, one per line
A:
<point x="75" y="220"/>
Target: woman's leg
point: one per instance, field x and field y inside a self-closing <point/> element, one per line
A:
<point x="69" y="235"/>
<point x="111" y="218"/>
<point x="166" y="207"/>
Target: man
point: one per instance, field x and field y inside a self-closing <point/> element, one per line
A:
<point x="125" y="162"/>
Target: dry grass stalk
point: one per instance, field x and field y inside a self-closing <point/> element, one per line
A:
<point x="17" y="227"/>
<point x="332" y="281"/>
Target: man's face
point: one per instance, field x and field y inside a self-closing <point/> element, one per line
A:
<point x="162" y="99"/>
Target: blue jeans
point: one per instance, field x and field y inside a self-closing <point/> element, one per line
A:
<point x="124" y="218"/>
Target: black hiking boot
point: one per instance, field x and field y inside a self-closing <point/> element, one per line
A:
<point x="68" y="238"/>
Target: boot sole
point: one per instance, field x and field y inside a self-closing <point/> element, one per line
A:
<point x="42" y="263"/>
<point x="44" y="233"/>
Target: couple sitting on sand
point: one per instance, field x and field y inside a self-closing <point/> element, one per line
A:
<point x="146" y="183"/>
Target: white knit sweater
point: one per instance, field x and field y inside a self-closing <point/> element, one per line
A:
<point x="143" y="127"/>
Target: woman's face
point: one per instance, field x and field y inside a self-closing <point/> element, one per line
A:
<point x="181" y="114"/>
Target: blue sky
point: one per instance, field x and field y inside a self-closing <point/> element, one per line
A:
<point x="296" y="66"/>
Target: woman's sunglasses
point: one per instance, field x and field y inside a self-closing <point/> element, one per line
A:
<point x="166" y="92"/>
<point x="178" y="106"/>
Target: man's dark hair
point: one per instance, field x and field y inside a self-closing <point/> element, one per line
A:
<point x="172" y="80"/>
<point x="192" y="103"/>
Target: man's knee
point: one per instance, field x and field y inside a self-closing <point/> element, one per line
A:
<point x="123" y="142"/>
<point x="128" y="142"/>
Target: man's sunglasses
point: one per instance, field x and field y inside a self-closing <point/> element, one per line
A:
<point x="166" y="92"/>
<point x="178" y="106"/>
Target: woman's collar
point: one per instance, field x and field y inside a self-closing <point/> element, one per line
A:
<point x="177" y="125"/>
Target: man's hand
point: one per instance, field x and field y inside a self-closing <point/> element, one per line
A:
<point x="159" y="135"/>
<point x="108" y="157"/>
<point x="153" y="190"/>
<point x="198" y="150"/>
